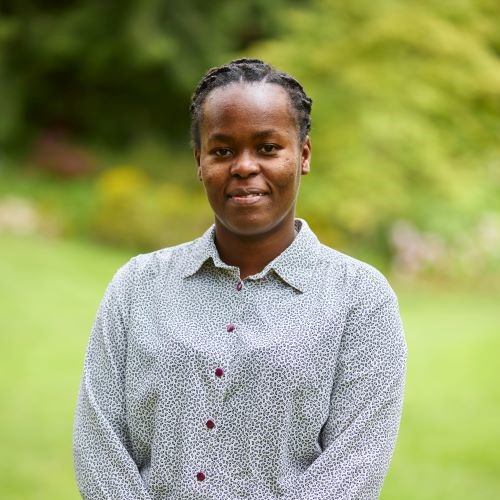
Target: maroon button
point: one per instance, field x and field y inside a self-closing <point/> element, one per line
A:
<point x="200" y="476"/>
<point x="210" y="424"/>
<point x="239" y="286"/>
<point x="230" y="328"/>
<point x="219" y="372"/>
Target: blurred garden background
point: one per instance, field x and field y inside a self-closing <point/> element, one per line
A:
<point x="96" y="166"/>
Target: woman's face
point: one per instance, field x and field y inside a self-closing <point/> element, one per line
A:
<point x="250" y="157"/>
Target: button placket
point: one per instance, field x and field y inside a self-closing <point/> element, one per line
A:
<point x="209" y="424"/>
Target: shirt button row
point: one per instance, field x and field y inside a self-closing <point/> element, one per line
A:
<point x="239" y="286"/>
<point x="200" y="476"/>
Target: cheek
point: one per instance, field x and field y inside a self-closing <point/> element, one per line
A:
<point x="207" y="171"/>
<point x="213" y="179"/>
<point x="288" y="175"/>
<point x="210" y="180"/>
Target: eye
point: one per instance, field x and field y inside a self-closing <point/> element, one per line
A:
<point x="268" y="149"/>
<point x="222" y="152"/>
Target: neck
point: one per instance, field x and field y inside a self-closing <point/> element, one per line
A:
<point x="252" y="253"/>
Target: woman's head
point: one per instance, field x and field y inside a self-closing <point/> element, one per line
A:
<point x="251" y="144"/>
<point x="250" y="71"/>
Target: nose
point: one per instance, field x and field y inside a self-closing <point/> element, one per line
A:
<point x="245" y="164"/>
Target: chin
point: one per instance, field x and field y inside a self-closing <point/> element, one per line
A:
<point x="250" y="228"/>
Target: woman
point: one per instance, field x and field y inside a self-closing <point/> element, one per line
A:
<point x="253" y="362"/>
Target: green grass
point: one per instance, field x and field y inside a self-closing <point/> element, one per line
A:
<point x="49" y="292"/>
<point x="449" y="437"/>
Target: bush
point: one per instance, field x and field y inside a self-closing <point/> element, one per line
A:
<point x="134" y="211"/>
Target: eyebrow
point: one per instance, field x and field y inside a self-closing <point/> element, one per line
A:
<point x="257" y="135"/>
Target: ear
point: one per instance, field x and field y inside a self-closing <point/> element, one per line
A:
<point x="306" y="156"/>
<point x="197" y="158"/>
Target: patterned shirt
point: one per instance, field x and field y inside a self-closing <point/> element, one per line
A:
<point x="198" y="385"/>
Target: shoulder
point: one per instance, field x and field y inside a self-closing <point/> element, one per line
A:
<point x="373" y="321"/>
<point x="147" y="267"/>
<point x="172" y="259"/>
<point x="362" y="281"/>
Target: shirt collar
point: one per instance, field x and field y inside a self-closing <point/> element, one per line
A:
<point x="294" y="265"/>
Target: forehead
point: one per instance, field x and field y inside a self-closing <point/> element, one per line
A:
<point x="244" y="105"/>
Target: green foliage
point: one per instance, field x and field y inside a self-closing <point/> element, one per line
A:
<point x="133" y="211"/>
<point x="123" y="205"/>
<point x="406" y="114"/>
<point x="113" y="71"/>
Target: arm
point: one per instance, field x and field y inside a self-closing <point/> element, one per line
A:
<point x="359" y="435"/>
<point x="103" y="465"/>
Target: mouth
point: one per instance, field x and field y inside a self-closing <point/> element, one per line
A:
<point x="246" y="197"/>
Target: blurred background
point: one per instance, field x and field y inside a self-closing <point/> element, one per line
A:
<point x="95" y="166"/>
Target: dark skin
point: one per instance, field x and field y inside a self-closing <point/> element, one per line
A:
<point x="250" y="161"/>
<point x="251" y="255"/>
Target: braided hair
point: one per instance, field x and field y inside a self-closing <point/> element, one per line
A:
<point x="249" y="70"/>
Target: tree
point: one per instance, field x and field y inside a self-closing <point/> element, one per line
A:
<point x="112" y="71"/>
<point x="406" y="120"/>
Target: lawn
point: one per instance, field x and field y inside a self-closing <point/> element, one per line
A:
<point x="49" y="291"/>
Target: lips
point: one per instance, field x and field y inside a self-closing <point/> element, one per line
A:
<point x="246" y="192"/>
<point x="246" y="196"/>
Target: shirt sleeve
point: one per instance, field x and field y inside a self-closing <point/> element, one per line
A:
<point x="104" y="466"/>
<point x="359" y="435"/>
